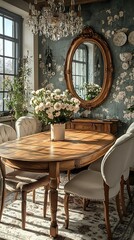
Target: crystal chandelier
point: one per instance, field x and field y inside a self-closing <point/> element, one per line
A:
<point x="52" y="21"/>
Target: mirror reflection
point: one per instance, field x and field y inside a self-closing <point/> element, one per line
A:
<point x="87" y="70"/>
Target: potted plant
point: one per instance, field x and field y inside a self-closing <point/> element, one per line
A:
<point x="18" y="90"/>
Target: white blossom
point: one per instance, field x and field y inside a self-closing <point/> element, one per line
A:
<point x="107" y="34"/>
<point x="121" y="14"/>
<point x="129" y="88"/>
<point x="57" y="91"/>
<point x="48" y="104"/>
<point x="116" y="17"/>
<point x="108" y="11"/>
<point x="41" y="106"/>
<point x="57" y="106"/>
<point x="110" y="20"/>
<point x="37" y="109"/>
<point x="54" y="106"/>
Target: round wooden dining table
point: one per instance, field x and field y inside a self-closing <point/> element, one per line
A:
<point x="39" y="154"/>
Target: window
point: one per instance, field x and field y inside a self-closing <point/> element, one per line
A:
<point x="10" y="50"/>
<point x="79" y="68"/>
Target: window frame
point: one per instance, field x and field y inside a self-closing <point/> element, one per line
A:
<point x="76" y="63"/>
<point x="16" y="39"/>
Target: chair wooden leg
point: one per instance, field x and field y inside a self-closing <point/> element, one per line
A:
<point x="85" y="203"/>
<point x="106" y="211"/>
<point x="16" y="195"/>
<point x="24" y="194"/>
<point x="34" y="196"/>
<point x="128" y="190"/>
<point x="68" y="175"/>
<point x="118" y="207"/>
<point x="2" y="199"/>
<point x="122" y="196"/>
<point x="45" y="200"/>
<point x="66" y="209"/>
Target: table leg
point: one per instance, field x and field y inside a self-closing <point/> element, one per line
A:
<point x="53" y="196"/>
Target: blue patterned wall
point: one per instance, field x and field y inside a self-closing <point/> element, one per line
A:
<point x="106" y="18"/>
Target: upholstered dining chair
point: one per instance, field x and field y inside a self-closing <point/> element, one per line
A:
<point x="131" y="128"/>
<point x="105" y="184"/>
<point x="19" y="181"/>
<point x="27" y="125"/>
<point x="96" y="166"/>
<point x="125" y="177"/>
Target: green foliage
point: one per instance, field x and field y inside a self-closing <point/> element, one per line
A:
<point x="92" y="90"/>
<point x="18" y="90"/>
<point x="131" y="108"/>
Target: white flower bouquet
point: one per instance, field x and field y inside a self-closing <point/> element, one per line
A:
<point x="54" y="106"/>
<point x="92" y="90"/>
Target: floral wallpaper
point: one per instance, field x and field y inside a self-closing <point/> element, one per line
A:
<point x="113" y="20"/>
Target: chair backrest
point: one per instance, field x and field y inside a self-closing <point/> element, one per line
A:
<point x="130" y="128"/>
<point x="117" y="159"/>
<point x="27" y="125"/>
<point x="7" y="133"/>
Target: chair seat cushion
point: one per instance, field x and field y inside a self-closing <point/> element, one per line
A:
<point x="25" y="181"/>
<point x="89" y="184"/>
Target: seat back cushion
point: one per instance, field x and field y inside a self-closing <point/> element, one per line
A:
<point x="131" y="128"/>
<point x="7" y="133"/>
<point x="117" y="159"/>
<point x="27" y="125"/>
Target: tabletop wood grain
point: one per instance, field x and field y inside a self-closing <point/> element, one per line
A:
<point x="39" y="147"/>
<point x="39" y="154"/>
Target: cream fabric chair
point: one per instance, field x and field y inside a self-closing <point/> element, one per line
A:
<point x="104" y="185"/>
<point x="130" y="128"/>
<point x="125" y="178"/>
<point x="19" y="181"/>
<point x="27" y="125"/>
<point x="7" y="133"/>
<point x="96" y="166"/>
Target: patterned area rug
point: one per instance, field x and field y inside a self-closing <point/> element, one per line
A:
<point x="86" y="225"/>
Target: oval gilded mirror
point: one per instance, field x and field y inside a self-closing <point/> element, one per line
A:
<point x="88" y="68"/>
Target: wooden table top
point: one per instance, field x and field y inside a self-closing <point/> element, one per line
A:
<point x="38" y="148"/>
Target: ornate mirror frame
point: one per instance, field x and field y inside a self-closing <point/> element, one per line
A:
<point x="89" y="35"/>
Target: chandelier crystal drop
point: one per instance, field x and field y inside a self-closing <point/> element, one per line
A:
<point x="52" y="21"/>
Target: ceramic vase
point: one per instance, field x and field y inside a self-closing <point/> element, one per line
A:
<point x="57" y="131"/>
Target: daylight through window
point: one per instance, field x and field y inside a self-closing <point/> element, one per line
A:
<point x="10" y="50"/>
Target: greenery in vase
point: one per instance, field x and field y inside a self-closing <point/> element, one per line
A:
<point x="54" y="106"/>
<point x="18" y="90"/>
<point x="92" y="90"/>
